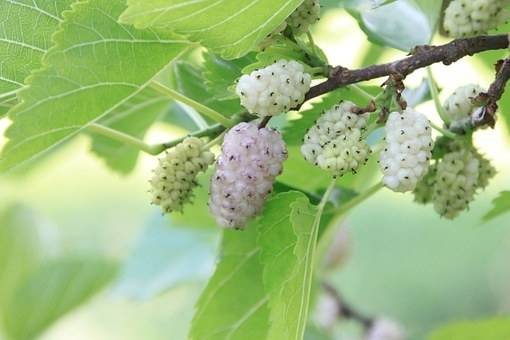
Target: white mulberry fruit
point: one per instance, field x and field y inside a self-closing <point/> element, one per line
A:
<point x="274" y="89"/>
<point x="459" y="106"/>
<point x="407" y="151"/>
<point x="456" y="183"/>
<point x="306" y="14"/>
<point x="175" y="177"/>
<point x="464" y="18"/>
<point x="251" y="159"/>
<point x="386" y="329"/>
<point x="335" y="142"/>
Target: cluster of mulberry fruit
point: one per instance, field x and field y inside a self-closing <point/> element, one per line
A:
<point x="335" y="143"/>
<point x="251" y="159"/>
<point x="274" y="89"/>
<point x="407" y="150"/>
<point x="465" y="18"/>
<point x="175" y="176"/>
<point x="252" y="155"/>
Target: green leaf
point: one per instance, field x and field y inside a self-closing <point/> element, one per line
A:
<point x="96" y="66"/>
<point x="294" y="168"/>
<point x="234" y="304"/>
<point x="416" y="96"/>
<point x="366" y="4"/>
<point x="25" y="35"/>
<point x="176" y="255"/>
<point x="279" y="187"/>
<point x="52" y="291"/>
<point x="500" y="205"/>
<point x="280" y="48"/>
<point x="230" y="28"/>
<point x="189" y="81"/>
<point x="178" y="115"/>
<point x="21" y="247"/>
<point x="432" y="10"/>
<point x="7" y="103"/>
<point x="287" y="238"/>
<point x="134" y="118"/>
<point x="401" y="24"/>
<point x="221" y="74"/>
<point x="489" y="329"/>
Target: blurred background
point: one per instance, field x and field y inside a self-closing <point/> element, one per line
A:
<point x="130" y="273"/>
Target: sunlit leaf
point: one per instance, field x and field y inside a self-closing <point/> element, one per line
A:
<point x="234" y="303"/>
<point x="134" y="118"/>
<point x="25" y="35"/>
<point x="189" y="80"/>
<point x="280" y="48"/>
<point x="7" y="102"/>
<point x="220" y="74"/>
<point x="96" y="66"/>
<point x="288" y="232"/>
<point x="230" y="28"/>
<point x="365" y="4"/>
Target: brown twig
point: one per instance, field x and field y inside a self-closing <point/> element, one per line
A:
<point x="264" y="122"/>
<point x="487" y="114"/>
<point x="346" y="311"/>
<point x="420" y="57"/>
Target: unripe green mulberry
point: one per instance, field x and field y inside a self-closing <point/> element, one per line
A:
<point x="306" y="14"/>
<point x="424" y="188"/>
<point x="486" y="171"/>
<point x="456" y="183"/>
<point x="465" y="18"/>
<point x="335" y="142"/>
<point x="175" y="176"/>
<point x="299" y="21"/>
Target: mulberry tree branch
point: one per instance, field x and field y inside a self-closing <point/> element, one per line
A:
<point x="421" y="56"/>
<point x="346" y="311"/>
<point x="494" y="94"/>
<point x="497" y="88"/>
